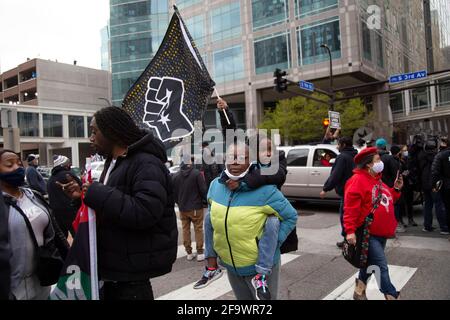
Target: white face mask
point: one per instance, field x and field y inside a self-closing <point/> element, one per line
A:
<point x="405" y="153"/>
<point x="235" y="178"/>
<point x="378" y="167"/>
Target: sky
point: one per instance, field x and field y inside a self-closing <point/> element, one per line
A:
<point x="63" y="30"/>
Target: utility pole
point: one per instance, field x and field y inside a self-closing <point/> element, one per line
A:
<point x="331" y="76"/>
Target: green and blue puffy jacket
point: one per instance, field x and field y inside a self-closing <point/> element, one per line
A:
<point x="238" y="219"/>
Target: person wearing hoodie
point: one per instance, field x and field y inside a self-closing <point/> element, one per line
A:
<point x="64" y="208"/>
<point x="365" y="190"/>
<point x="341" y="171"/>
<point x="440" y="171"/>
<point x="34" y="178"/>
<point x="190" y="191"/>
<point x="134" y="204"/>
<point x="391" y="164"/>
<point x="431" y="199"/>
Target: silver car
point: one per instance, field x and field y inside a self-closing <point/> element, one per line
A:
<point x="309" y="167"/>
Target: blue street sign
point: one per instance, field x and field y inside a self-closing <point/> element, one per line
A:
<point x="306" y="85"/>
<point x="408" y="76"/>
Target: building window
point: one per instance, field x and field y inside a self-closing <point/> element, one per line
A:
<point x="181" y="4"/>
<point x="28" y="123"/>
<point x="312" y="36"/>
<point x="396" y="102"/>
<point x="53" y="125"/>
<point x="443" y="93"/>
<point x="305" y="8"/>
<point x="121" y="83"/>
<point x="196" y="27"/>
<point x="419" y="99"/>
<point x="367" y="49"/>
<point x="271" y="53"/>
<point x="380" y="52"/>
<point x="226" y="21"/>
<point x="269" y="12"/>
<point x="228" y="64"/>
<point x="76" y="126"/>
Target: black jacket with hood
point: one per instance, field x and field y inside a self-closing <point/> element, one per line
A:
<point x="425" y="160"/>
<point x="136" y="224"/>
<point x="342" y="171"/>
<point x="440" y="169"/>
<point x="189" y="189"/>
<point x="391" y="167"/>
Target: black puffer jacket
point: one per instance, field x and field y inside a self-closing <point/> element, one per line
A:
<point x="342" y="171"/>
<point x="391" y="167"/>
<point x="137" y="230"/>
<point x="425" y="161"/>
<point x="440" y="169"/>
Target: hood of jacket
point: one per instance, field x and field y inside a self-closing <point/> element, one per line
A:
<point x="186" y="170"/>
<point x="149" y="144"/>
<point x="350" y="151"/>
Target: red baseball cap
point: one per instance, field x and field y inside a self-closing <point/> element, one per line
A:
<point x="365" y="153"/>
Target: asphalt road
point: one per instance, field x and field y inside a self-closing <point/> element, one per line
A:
<point x="420" y="264"/>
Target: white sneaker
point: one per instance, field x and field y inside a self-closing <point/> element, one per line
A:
<point x="191" y="256"/>
<point x="200" y="257"/>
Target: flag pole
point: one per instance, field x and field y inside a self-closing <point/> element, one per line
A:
<point x="224" y="112"/>
<point x="92" y="241"/>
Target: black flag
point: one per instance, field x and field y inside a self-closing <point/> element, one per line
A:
<point x="174" y="89"/>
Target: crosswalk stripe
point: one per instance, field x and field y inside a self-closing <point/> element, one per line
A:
<point x="399" y="277"/>
<point x="213" y="291"/>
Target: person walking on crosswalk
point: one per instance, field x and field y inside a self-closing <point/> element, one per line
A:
<point x="363" y="192"/>
<point x="190" y="191"/>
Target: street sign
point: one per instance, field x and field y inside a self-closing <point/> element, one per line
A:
<point x="335" y="119"/>
<point x="408" y="76"/>
<point x="306" y="85"/>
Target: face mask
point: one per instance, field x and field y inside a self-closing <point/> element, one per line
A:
<point x="378" y="167"/>
<point x="235" y="178"/>
<point x="405" y="153"/>
<point x="15" y="178"/>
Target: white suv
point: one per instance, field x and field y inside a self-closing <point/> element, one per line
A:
<point x="308" y="171"/>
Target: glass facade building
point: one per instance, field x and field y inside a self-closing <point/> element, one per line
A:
<point x="136" y="31"/>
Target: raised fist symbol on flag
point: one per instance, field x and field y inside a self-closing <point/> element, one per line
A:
<point x="163" y="107"/>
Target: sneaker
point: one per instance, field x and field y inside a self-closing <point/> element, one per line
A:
<point x="428" y="230"/>
<point x="445" y="233"/>
<point x="208" y="277"/>
<point x="190" y="256"/>
<point x="400" y="229"/>
<point x="411" y="222"/>
<point x="261" y="290"/>
<point x="200" y="257"/>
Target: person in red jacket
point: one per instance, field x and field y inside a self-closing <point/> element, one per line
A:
<point x="362" y="190"/>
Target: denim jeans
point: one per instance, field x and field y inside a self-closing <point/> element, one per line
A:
<point x="243" y="288"/>
<point x="378" y="258"/>
<point x="434" y="199"/>
<point x="267" y="246"/>
<point x="341" y="215"/>
<point x="209" y="237"/>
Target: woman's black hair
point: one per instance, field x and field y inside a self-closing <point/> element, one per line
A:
<point x="364" y="162"/>
<point x="117" y="126"/>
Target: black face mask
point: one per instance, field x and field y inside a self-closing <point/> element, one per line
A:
<point x="15" y="178"/>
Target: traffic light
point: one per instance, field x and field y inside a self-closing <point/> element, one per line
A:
<point x="280" y="82"/>
<point x="326" y="122"/>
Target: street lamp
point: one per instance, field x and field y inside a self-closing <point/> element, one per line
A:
<point x="331" y="75"/>
<point x="109" y="102"/>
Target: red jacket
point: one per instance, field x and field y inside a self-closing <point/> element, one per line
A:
<point x="360" y="191"/>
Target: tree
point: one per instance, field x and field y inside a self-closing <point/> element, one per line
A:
<point x="299" y="119"/>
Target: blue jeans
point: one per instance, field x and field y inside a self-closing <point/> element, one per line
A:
<point x="378" y="258"/>
<point x="341" y="215"/>
<point x="434" y="199"/>
<point x="267" y="246"/>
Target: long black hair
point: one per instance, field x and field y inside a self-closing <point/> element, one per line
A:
<point x="117" y="126"/>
